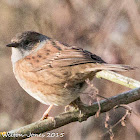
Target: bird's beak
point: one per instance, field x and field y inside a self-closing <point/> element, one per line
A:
<point x="13" y="45"/>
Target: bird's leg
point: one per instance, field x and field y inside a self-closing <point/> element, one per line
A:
<point x="79" y="106"/>
<point x="74" y="105"/>
<point x="45" y="115"/>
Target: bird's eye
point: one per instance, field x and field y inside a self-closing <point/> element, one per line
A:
<point x="26" y="42"/>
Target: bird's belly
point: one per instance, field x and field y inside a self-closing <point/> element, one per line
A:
<point x="62" y="98"/>
<point x="53" y="86"/>
<point x="48" y="93"/>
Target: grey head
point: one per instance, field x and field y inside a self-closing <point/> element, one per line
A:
<point x="24" y="43"/>
<point x="26" y="40"/>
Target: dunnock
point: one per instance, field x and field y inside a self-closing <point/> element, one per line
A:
<point x="51" y="72"/>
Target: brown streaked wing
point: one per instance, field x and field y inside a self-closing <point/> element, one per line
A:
<point x="54" y="54"/>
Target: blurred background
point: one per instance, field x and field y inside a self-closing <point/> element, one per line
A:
<point x="108" y="28"/>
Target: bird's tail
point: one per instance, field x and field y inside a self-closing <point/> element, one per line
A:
<point x="113" y="67"/>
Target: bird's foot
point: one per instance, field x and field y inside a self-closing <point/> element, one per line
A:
<point x="45" y="115"/>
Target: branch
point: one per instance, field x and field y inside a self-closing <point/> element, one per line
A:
<point x="85" y="111"/>
<point x="118" y="78"/>
<point x="76" y="115"/>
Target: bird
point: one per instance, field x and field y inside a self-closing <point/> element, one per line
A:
<point x="52" y="72"/>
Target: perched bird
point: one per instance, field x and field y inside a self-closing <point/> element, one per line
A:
<point x="51" y="72"/>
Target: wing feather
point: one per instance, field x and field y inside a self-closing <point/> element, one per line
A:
<point x="54" y="55"/>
